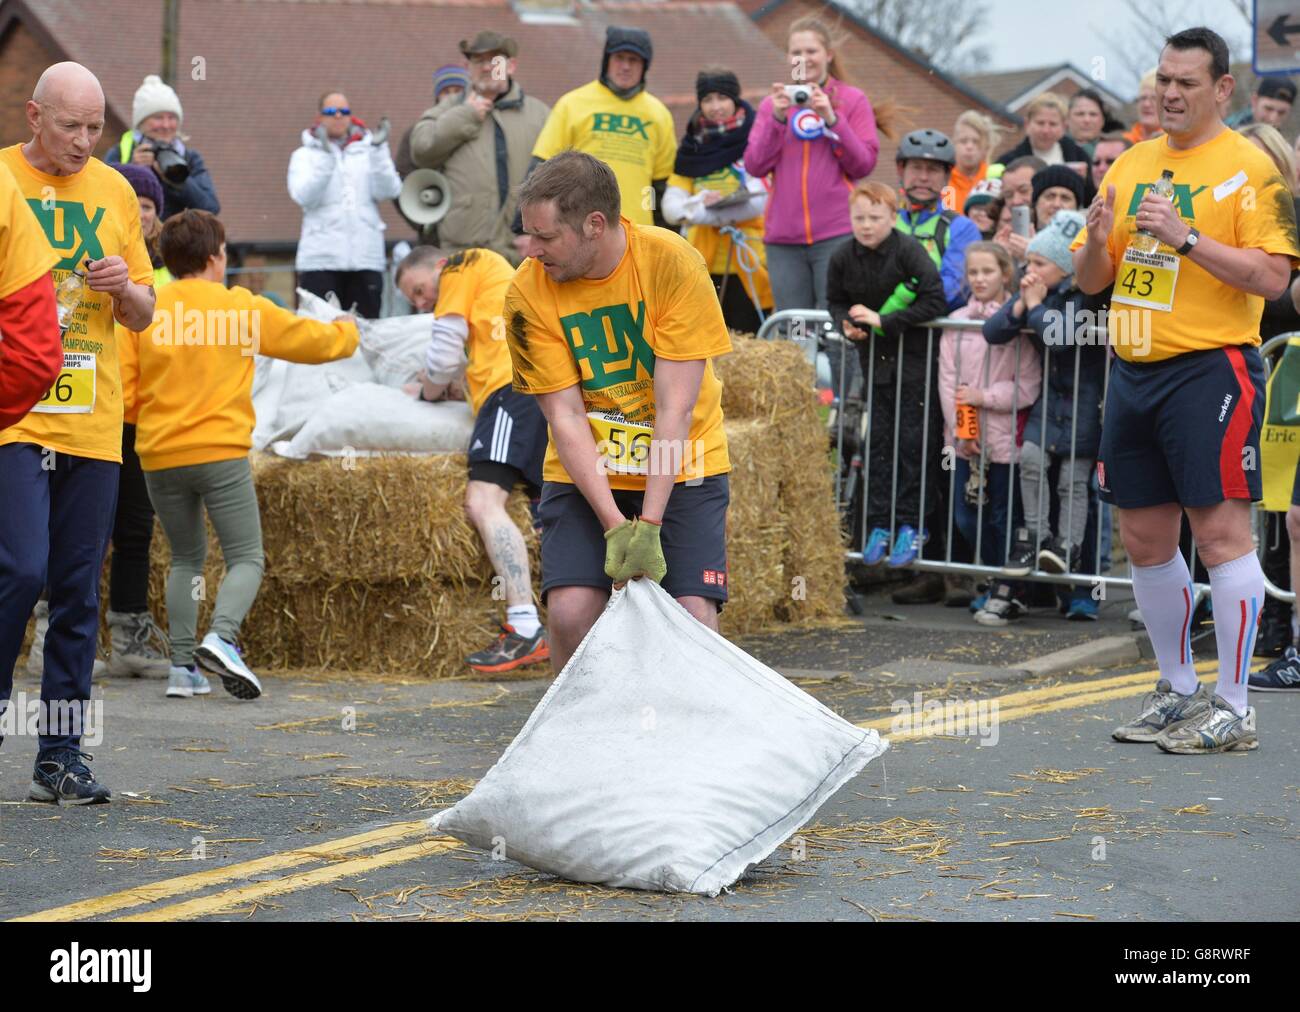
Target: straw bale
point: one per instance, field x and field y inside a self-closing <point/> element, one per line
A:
<point x="814" y="551"/>
<point x="755" y="528"/>
<point x="763" y="379"/>
<point x="379" y="519"/>
<point x="419" y="627"/>
<point x="375" y="568"/>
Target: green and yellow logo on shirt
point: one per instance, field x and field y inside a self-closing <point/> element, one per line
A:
<point x="1183" y="195"/>
<point x="608" y="344"/>
<point x="68" y="227"/>
<point x="617" y="123"/>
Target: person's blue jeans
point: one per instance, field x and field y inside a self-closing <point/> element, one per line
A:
<point x="1000" y="512"/>
<point x="56" y="515"/>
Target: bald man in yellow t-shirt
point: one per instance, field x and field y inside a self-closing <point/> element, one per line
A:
<point x="60" y="462"/>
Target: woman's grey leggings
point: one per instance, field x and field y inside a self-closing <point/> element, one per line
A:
<point x="179" y="495"/>
<point x="798" y="273"/>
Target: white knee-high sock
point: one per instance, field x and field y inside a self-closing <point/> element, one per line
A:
<point x="1237" y="590"/>
<point x="1165" y="597"/>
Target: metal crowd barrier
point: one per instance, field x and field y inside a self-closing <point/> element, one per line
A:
<point x="854" y="396"/>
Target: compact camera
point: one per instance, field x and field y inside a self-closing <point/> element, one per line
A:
<point x="799" y="94"/>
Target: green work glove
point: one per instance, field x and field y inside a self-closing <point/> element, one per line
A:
<point x="645" y="555"/>
<point x="616" y="541"/>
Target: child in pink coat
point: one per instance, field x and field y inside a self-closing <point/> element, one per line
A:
<point x="985" y="378"/>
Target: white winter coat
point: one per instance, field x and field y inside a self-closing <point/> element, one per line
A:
<point x="338" y="190"/>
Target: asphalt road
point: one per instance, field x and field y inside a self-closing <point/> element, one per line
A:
<point x="306" y="804"/>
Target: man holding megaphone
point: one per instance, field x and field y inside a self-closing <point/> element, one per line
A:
<point x="481" y="144"/>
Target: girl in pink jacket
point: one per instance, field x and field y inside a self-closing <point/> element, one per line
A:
<point x="984" y="379"/>
<point x="816" y="137"/>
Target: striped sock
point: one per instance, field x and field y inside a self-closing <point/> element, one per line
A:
<point x="1237" y="592"/>
<point x="1165" y="597"/>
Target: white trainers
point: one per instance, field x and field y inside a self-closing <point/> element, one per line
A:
<point x="1215" y="728"/>
<point x="182" y="683"/>
<point x="223" y="659"/>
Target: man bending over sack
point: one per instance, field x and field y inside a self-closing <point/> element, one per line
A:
<point x="466" y="293"/>
<point x="611" y="326"/>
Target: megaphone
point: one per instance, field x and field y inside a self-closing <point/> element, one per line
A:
<point x="425" y="198"/>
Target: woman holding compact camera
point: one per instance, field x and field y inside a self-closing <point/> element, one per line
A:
<point x="816" y="137"/>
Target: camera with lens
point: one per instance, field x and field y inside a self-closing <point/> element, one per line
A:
<point x="173" y="167"/>
<point x="799" y="94"/>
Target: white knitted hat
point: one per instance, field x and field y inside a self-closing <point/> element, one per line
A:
<point x="154" y="96"/>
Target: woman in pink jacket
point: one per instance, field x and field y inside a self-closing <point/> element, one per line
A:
<point x="983" y="378"/>
<point x="815" y="150"/>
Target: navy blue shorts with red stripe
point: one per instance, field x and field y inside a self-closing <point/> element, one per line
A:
<point x="1183" y="430"/>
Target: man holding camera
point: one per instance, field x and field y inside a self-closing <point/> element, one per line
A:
<point x="483" y="144"/>
<point x="156" y="142"/>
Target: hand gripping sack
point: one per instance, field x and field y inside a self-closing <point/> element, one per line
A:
<point x="663" y="757"/>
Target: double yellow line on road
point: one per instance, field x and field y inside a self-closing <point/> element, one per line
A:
<point x="1050" y="699"/>
<point x="339" y="865"/>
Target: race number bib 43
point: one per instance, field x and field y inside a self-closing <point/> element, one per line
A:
<point x="1147" y="280"/>
<point x="624" y="446"/>
<point x="73" y="392"/>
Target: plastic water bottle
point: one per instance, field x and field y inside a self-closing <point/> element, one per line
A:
<point x="68" y="295"/>
<point x="1144" y="241"/>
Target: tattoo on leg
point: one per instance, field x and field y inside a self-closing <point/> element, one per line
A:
<point x="509" y="556"/>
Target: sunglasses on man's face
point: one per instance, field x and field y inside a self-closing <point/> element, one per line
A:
<point x="336" y="110"/>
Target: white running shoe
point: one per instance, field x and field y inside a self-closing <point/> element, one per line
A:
<point x="223" y="659"/>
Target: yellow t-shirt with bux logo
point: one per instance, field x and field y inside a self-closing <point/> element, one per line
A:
<point x="635" y="137"/>
<point x="88" y="215"/>
<point x="473" y="286"/>
<point x="606" y="335"/>
<point x="1231" y="191"/>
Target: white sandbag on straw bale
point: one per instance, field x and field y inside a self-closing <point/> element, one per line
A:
<point x="368" y="418"/>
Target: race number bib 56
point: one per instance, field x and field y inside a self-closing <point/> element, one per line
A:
<point x="624" y="446"/>
<point x="1147" y="280"/>
<point x="73" y="393"/>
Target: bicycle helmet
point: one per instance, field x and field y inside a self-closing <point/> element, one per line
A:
<point x="928" y="144"/>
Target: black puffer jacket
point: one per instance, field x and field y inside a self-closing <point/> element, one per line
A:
<point x="857" y="274"/>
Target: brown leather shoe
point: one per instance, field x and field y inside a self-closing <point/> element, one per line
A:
<point x="958" y="591"/>
<point x="925" y="588"/>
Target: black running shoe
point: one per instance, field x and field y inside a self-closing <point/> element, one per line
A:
<point x="1283" y="675"/>
<point x="1058" y="557"/>
<point x="1274" y="634"/>
<point x="511" y="651"/>
<point x="63" y="777"/>
<point x="1022" y="558"/>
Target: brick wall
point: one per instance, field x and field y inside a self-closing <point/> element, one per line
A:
<point x="23" y="58"/>
<point x="882" y="72"/>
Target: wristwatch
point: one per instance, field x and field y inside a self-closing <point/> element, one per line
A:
<point x="1193" y="234"/>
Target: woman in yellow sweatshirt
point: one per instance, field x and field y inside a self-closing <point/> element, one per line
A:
<point x="189" y="377"/>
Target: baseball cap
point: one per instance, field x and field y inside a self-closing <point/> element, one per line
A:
<point x="1280" y="88"/>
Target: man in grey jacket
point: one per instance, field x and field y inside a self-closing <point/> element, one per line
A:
<point x="483" y="144"/>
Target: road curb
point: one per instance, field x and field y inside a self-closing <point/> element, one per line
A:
<point x="1104" y="652"/>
